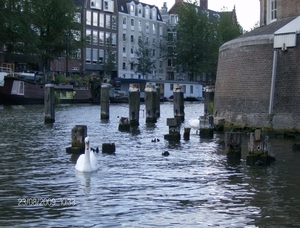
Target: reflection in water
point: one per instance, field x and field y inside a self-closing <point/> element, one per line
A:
<point x="195" y="186"/>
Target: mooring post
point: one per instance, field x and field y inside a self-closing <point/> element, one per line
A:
<point x="209" y="94"/>
<point x="134" y="104"/>
<point x="178" y="102"/>
<point x="151" y="103"/>
<point x="186" y="134"/>
<point x="174" y="129"/>
<point x="78" y="134"/>
<point x="258" y="149"/>
<point x="108" y="148"/>
<point x="104" y="102"/>
<point x="206" y="126"/>
<point x="49" y="103"/>
<point x="233" y="143"/>
<point x="158" y="102"/>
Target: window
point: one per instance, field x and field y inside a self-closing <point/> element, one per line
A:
<point x="109" y="5"/>
<point x="88" y="55"/>
<point x="124" y="66"/>
<point x="108" y="22"/>
<point x="132" y="50"/>
<point x="132" y="8"/>
<point x="132" y="22"/>
<point x="77" y="17"/>
<point x="154" y="29"/>
<point x="171" y="87"/>
<point x="154" y="42"/>
<point x="124" y="49"/>
<point x="153" y="52"/>
<point x="147" y="26"/>
<point x="140" y="10"/>
<point x="273" y="10"/>
<point x="114" y="39"/>
<point x="95" y="55"/>
<point x="124" y="20"/>
<point x="147" y="12"/>
<point x="88" y="17"/>
<point x="169" y="62"/>
<point x="101" y="38"/>
<point x="108" y="38"/>
<point x="131" y="38"/>
<point x="140" y="25"/>
<point x="160" y="30"/>
<point x="101" y="56"/>
<point x="124" y="37"/>
<point x="18" y="88"/>
<point x="114" y="22"/>
<point x="101" y="20"/>
<point x="131" y="66"/>
<point x="191" y="89"/>
<point x="154" y="14"/>
<point x="88" y="36"/>
<point x="96" y="4"/>
<point x="95" y="19"/>
<point x="76" y="34"/>
<point x="95" y="37"/>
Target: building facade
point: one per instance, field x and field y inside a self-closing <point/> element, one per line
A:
<point x="135" y="20"/>
<point x="258" y="73"/>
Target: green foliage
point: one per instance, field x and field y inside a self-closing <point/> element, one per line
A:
<point x="44" y="29"/>
<point x="144" y="62"/>
<point x="199" y="37"/>
<point x="110" y="60"/>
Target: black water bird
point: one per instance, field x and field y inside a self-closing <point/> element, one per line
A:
<point x="155" y="140"/>
<point x="165" y="153"/>
<point x="95" y="150"/>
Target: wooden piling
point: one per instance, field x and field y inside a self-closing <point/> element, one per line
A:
<point x="209" y="95"/>
<point x="233" y="143"/>
<point x="49" y="104"/>
<point x="104" y="102"/>
<point x="158" y="102"/>
<point x="178" y="102"/>
<point x="78" y="134"/>
<point x="186" y="134"/>
<point x="134" y="104"/>
<point x="258" y="149"/>
<point x="108" y="148"/>
<point x="151" y="103"/>
<point x="206" y="127"/>
<point x="174" y="129"/>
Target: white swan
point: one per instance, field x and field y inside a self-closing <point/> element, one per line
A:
<point x="194" y="123"/>
<point x="87" y="162"/>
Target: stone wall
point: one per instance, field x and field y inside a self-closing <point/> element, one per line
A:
<point x="243" y="84"/>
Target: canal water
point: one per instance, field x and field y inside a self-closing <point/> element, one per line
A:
<point x="137" y="187"/>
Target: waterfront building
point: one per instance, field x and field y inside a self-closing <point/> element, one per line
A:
<point x="257" y="78"/>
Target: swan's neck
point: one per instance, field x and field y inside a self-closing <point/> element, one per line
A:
<point x="87" y="162"/>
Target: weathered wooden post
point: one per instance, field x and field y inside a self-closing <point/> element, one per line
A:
<point x="108" y="148"/>
<point x="158" y="102"/>
<point x="206" y="126"/>
<point x="178" y="102"/>
<point x="151" y="103"/>
<point x="104" y="102"/>
<point x="186" y="134"/>
<point x="174" y="129"/>
<point x="49" y="104"/>
<point x="78" y="134"/>
<point x="233" y="143"/>
<point x="134" y="104"/>
<point x="209" y="95"/>
<point x="124" y="124"/>
<point x="258" y="149"/>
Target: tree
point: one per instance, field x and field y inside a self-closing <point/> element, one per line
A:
<point x="144" y="62"/>
<point x="109" y="64"/>
<point x="43" y="29"/>
<point x="199" y="37"/>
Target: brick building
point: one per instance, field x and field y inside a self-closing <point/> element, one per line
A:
<point x="258" y="73"/>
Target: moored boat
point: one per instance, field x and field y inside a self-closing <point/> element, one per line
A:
<point x="18" y="91"/>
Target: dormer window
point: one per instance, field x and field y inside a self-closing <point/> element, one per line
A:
<point x="132" y="8"/>
<point x="154" y="13"/>
<point x="147" y="12"/>
<point x="96" y="4"/>
<point x="108" y="5"/>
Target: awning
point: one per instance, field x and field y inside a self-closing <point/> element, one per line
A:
<point x="287" y="35"/>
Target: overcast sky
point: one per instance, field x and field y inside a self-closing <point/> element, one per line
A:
<point x="247" y="10"/>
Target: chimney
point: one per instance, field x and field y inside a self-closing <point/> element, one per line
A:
<point x="203" y="3"/>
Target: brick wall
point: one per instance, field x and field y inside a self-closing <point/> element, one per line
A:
<point x="243" y="86"/>
<point x="288" y="8"/>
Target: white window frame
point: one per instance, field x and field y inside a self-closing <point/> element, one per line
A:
<point x="17" y="88"/>
<point x="96" y="4"/>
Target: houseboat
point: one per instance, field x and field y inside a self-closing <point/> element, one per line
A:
<point x="22" y="91"/>
<point x="192" y="91"/>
